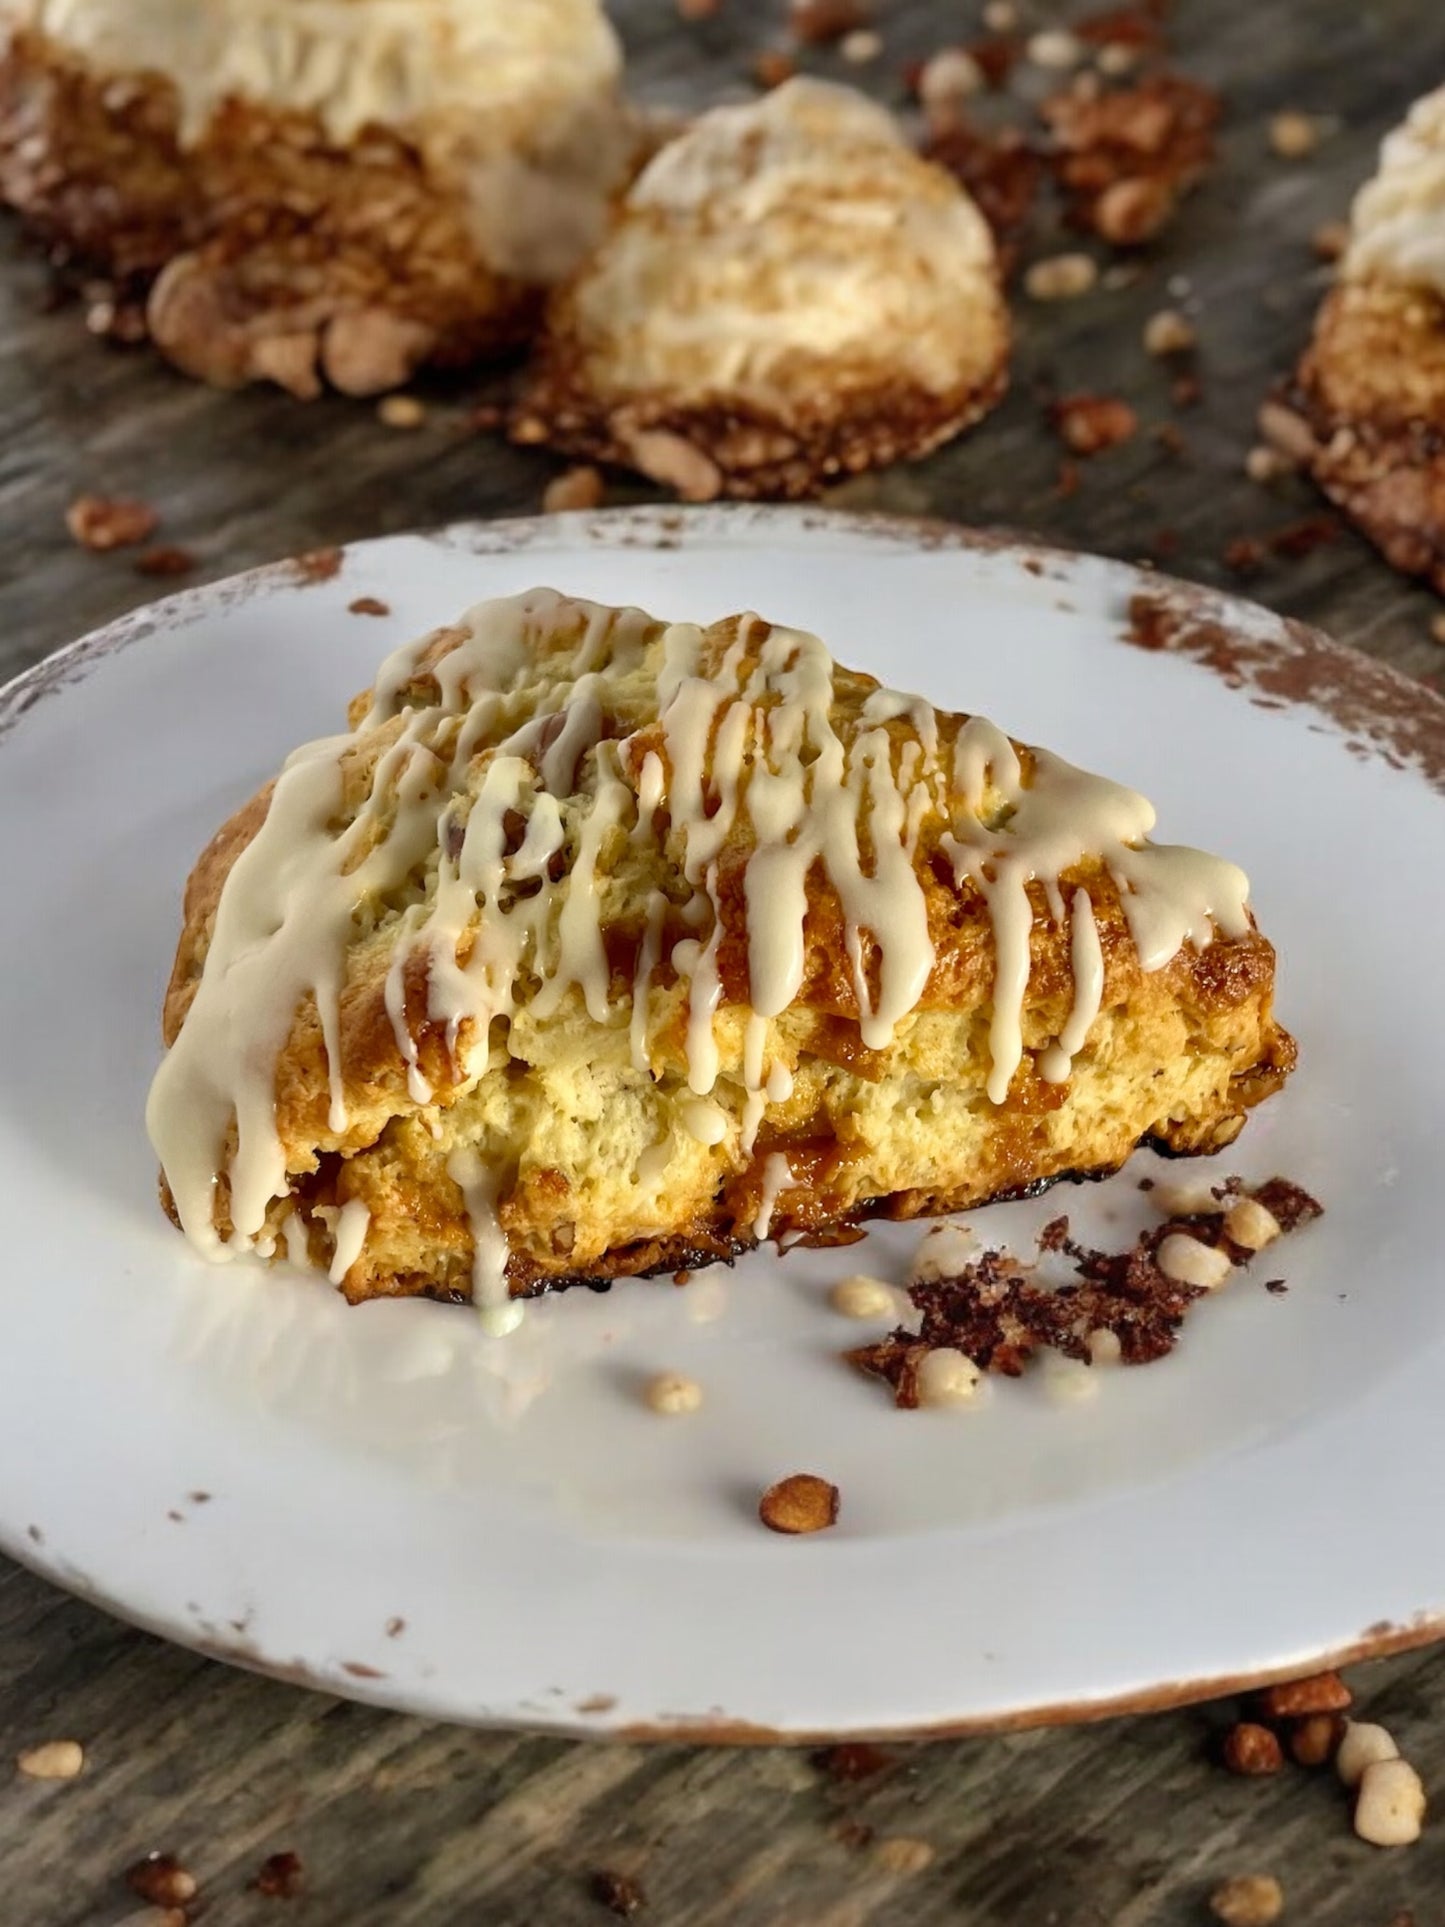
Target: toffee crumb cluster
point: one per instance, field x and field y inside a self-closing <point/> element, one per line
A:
<point x="996" y="1310"/>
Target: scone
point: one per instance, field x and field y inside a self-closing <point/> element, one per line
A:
<point x="336" y="190"/>
<point x="602" y="946"/>
<point x="1366" y="410"/>
<point x="790" y="294"/>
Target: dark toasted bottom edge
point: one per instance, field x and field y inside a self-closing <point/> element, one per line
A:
<point x="1387" y="479"/>
<point x="751" y="455"/>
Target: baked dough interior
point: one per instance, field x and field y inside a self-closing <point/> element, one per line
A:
<point x="600" y="945"/>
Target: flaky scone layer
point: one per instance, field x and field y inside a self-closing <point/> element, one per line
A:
<point x="620" y="1130"/>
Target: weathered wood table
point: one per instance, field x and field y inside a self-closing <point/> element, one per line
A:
<point x="1128" y="1824"/>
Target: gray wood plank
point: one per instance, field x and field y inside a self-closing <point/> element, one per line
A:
<point x="1124" y="1825"/>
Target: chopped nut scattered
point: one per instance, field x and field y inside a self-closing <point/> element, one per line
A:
<point x="947" y="1377"/>
<point x="1105" y="1347"/>
<point x="1252" y="1226"/>
<point x="1391" y="1804"/>
<point x="101" y="523"/>
<point x="1252" y="1750"/>
<point x="400" y="411"/>
<point x="162" y="1880"/>
<point x="901" y="1854"/>
<point x="943" y="1249"/>
<point x="369" y="605"/>
<point x="1313" y="1741"/>
<point x="1090" y="424"/>
<point x="1286" y="431"/>
<point x="1060" y="277"/>
<point x="1292" y="135"/>
<point x="1000" y="16"/>
<point x="1293" y="1698"/>
<point x="1184" y="1198"/>
<point x="1134" y="210"/>
<point x="1188" y="1262"/>
<point x="676" y="463"/>
<point x="1363" y="1744"/>
<point x="861" y="46"/>
<point x="1070" y="1381"/>
<point x="949" y="77"/>
<point x="1116" y="58"/>
<point x="1437" y="628"/>
<point x="1265" y="464"/>
<point x="1169" y="333"/>
<point x="1249" y="1900"/>
<point x="575" y="488"/>
<point x="798" y="1504"/>
<point x="1056" y="49"/>
<point x="673" y="1394"/>
<point x="619" y="1893"/>
<point x="53" y="1760"/>
<point x="860" y="1297"/>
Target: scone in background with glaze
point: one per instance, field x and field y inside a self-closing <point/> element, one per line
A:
<point x="789" y="295"/>
<point x="1366" y="410"/>
<point x="317" y="190"/>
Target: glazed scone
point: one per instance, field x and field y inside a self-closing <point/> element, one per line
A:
<point x="1366" y="409"/>
<point x="602" y="946"/>
<point x="789" y="295"/>
<point x="317" y="190"/>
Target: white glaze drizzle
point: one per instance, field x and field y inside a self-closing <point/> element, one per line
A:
<point x="1042" y="828"/>
<point x="480" y="1183"/>
<point x="777" y="1177"/>
<point x="761" y="794"/>
<point x="352" y="1223"/>
<point x="1086" y="958"/>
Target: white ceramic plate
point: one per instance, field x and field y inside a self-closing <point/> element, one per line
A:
<point x="402" y="1510"/>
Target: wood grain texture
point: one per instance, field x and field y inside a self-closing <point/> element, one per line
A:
<point x="408" y="1824"/>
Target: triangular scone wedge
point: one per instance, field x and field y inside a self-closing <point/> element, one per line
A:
<point x="601" y="946"/>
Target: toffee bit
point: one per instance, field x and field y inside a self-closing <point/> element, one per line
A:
<point x="279" y="1877"/>
<point x="1089" y="424"/>
<point x="852" y="1761"/>
<point x="164" y="560"/>
<point x="1156" y="138"/>
<point x="162" y="1880"/>
<point x="619" y="1893"/>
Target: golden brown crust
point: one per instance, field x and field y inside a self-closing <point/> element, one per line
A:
<point x="1176" y="1057"/>
<point x="1366" y="414"/>
<point x="285" y="256"/>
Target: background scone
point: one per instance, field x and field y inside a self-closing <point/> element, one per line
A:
<point x="1366" y="411"/>
<point x="789" y="294"/>
<point x="337" y="189"/>
<point x="601" y="946"/>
